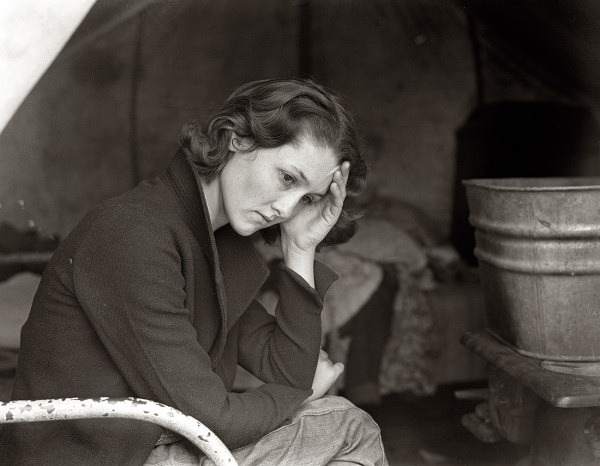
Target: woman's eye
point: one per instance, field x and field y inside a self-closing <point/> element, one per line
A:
<point x="287" y="178"/>
<point x="306" y="199"/>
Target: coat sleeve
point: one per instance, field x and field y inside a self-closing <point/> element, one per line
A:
<point x="127" y="278"/>
<point x="284" y="349"/>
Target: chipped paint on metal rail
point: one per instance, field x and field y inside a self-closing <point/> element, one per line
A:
<point x="125" y="408"/>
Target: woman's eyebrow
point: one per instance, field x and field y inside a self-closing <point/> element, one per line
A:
<point x="300" y="173"/>
<point x="303" y="176"/>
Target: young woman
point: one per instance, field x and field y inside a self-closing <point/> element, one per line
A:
<point x="152" y="296"/>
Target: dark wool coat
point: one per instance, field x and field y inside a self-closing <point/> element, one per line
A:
<point x="143" y="300"/>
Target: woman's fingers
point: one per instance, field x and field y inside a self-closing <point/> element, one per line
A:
<point x="341" y="178"/>
<point x="345" y="173"/>
<point x="311" y="223"/>
<point x="336" y="192"/>
<point x="338" y="368"/>
<point x="338" y="184"/>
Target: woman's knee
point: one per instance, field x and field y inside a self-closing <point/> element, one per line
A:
<point x="359" y="433"/>
<point x="333" y="428"/>
<point x="348" y="417"/>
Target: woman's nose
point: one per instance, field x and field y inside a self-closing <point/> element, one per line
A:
<point x="285" y="205"/>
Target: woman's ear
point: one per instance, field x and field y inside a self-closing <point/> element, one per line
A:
<point x="237" y="144"/>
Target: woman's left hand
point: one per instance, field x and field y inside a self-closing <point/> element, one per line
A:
<point x="309" y="226"/>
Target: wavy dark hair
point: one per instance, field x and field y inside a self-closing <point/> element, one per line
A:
<point x="271" y="113"/>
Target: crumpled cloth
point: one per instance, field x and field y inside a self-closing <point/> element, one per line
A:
<point x="413" y="346"/>
<point x="378" y="240"/>
<point x="358" y="279"/>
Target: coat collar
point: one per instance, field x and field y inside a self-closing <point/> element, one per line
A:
<point x="237" y="268"/>
<point x="190" y="202"/>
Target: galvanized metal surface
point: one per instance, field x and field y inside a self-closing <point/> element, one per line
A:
<point x="559" y="390"/>
<point x="538" y="246"/>
<point x="127" y="408"/>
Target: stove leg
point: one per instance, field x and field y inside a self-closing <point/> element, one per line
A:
<point x="560" y="439"/>
<point x="592" y="430"/>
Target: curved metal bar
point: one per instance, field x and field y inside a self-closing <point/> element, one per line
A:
<point x="125" y="408"/>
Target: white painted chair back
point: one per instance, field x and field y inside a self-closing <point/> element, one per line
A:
<point x="125" y="408"/>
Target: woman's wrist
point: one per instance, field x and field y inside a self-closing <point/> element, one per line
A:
<point x="300" y="261"/>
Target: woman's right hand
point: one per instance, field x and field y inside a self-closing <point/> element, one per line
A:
<point x="311" y="223"/>
<point x="325" y="376"/>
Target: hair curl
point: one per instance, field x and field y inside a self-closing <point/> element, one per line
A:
<point x="271" y="113"/>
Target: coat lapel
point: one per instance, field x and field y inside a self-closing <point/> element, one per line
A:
<point x="238" y="270"/>
<point x="180" y="177"/>
<point x="244" y="271"/>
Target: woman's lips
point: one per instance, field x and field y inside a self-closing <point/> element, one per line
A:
<point x="264" y="218"/>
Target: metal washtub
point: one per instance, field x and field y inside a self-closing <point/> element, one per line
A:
<point x="538" y="247"/>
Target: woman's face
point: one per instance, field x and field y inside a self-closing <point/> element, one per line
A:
<point x="267" y="186"/>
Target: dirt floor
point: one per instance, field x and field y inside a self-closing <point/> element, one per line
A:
<point x="427" y="430"/>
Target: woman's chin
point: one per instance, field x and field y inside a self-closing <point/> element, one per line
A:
<point x="245" y="229"/>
